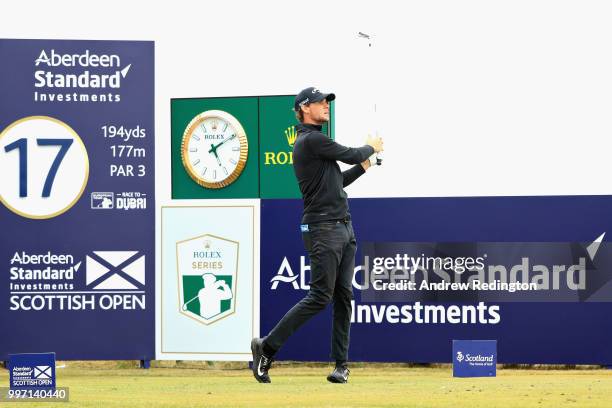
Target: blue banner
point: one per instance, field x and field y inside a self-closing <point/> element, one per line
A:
<point x="77" y="222"/>
<point x="563" y="332"/>
<point x="474" y="358"/>
<point x="31" y="371"/>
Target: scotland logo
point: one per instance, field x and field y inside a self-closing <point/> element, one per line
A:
<point x="460" y="356"/>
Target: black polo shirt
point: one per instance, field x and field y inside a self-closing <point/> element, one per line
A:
<point x="319" y="176"/>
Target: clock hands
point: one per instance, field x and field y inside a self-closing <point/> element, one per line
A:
<point x="213" y="149"/>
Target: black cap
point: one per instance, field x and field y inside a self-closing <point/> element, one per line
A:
<point x="310" y="95"/>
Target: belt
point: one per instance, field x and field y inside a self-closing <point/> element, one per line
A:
<point x="344" y="220"/>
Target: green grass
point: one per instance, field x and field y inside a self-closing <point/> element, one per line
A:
<point x="305" y="386"/>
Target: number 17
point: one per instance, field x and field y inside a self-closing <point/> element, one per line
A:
<point x="22" y="146"/>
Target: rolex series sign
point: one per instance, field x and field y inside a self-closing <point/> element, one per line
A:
<point x="209" y="297"/>
<point x="77" y="212"/>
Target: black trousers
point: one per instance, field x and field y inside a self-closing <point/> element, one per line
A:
<point x="331" y="247"/>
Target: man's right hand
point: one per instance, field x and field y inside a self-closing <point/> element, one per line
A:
<point x="376" y="143"/>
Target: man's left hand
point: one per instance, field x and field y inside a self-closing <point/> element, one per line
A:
<point x="365" y="164"/>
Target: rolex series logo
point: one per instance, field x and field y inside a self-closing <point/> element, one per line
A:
<point x="291" y="135"/>
<point x="207" y="273"/>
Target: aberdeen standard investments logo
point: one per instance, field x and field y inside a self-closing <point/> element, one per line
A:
<point x="286" y="275"/>
<point x="207" y="273"/>
<point x="81" y="77"/>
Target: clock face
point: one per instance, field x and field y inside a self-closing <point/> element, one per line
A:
<point x="214" y="149"/>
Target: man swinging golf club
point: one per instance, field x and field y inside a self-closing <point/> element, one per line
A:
<point x="327" y="232"/>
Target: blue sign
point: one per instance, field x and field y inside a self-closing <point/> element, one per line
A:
<point x="77" y="198"/>
<point x="32" y="371"/>
<point x="474" y="358"/>
<point x="421" y="328"/>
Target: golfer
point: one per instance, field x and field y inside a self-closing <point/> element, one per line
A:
<point x="327" y="232"/>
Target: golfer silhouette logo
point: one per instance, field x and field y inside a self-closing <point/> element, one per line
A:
<point x="211" y="295"/>
<point x="207" y="278"/>
<point x="106" y="203"/>
<point x="213" y="292"/>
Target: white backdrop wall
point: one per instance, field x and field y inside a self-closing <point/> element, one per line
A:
<point x="473" y="97"/>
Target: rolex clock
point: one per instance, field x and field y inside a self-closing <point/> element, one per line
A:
<point x="214" y="149"/>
